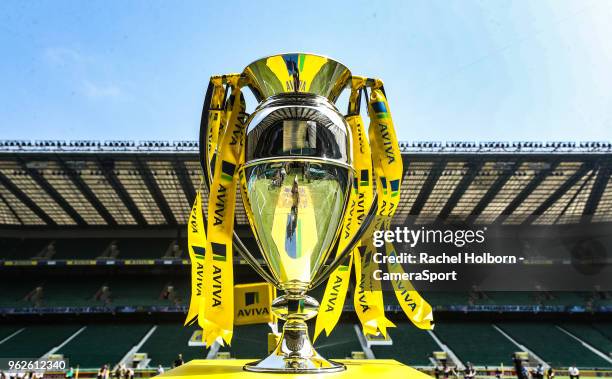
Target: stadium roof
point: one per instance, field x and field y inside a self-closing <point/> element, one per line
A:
<point x="123" y="183"/>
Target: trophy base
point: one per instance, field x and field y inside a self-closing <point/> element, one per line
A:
<point x="232" y="368"/>
<point x="278" y="364"/>
<point x="295" y="354"/>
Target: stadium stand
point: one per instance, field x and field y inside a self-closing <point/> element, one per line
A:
<point x="167" y="341"/>
<point x="142" y="248"/>
<point x="82" y="291"/>
<point x="604" y="328"/>
<point x="340" y="344"/>
<point x="100" y="344"/>
<point x="8" y="330"/>
<point x="601" y="301"/>
<point x="466" y="340"/>
<point x="89" y="248"/>
<point x="590" y="335"/>
<point x="411" y="346"/>
<point x="249" y="341"/>
<point x="513" y="298"/>
<point x="138" y="291"/>
<point x="69" y="292"/>
<point x="14" y="248"/>
<point x="552" y="345"/>
<point x="126" y="227"/>
<point x="444" y="298"/>
<point x="79" y="248"/>
<point x="36" y="340"/>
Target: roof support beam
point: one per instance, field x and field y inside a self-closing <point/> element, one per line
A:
<point x="460" y="189"/>
<point x="87" y="192"/>
<point x="52" y="192"/>
<point x="603" y="176"/>
<point x="527" y="190"/>
<point x="11" y="209"/>
<point x="25" y="199"/>
<point x="492" y="192"/>
<point x="434" y="174"/>
<point x="157" y="194"/>
<point x="108" y="169"/>
<point x="559" y="192"/>
<point x="183" y="176"/>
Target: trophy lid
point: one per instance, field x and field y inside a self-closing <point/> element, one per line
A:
<point x="297" y="72"/>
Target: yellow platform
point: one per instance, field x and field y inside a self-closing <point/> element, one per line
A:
<point x="232" y="368"/>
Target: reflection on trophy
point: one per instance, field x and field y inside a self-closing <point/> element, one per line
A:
<point x="293" y="159"/>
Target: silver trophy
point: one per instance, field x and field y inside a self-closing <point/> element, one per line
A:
<point x="298" y="173"/>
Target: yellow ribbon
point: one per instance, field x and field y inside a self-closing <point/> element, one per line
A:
<point x="196" y="240"/>
<point x="218" y="306"/>
<point x="389" y="168"/>
<point x="359" y="202"/>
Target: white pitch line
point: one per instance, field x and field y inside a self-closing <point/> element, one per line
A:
<point x="588" y="346"/>
<point x="522" y="347"/>
<point x="214" y="349"/>
<point x="12" y="335"/>
<point x="369" y="353"/>
<point x="52" y="351"/>
<point x="137" y="347"/>
<point x="450" y="353"/>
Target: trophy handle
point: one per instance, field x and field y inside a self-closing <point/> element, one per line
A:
<point x="204" y="133"/>
<point x="238" y="244"/>
<point x="324" y="273"/>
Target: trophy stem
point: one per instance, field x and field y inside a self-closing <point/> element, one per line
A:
<point x="294" y="352"/>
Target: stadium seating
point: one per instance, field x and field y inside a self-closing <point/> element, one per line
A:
<point x="8" y="248"/>
<point x="12" y="293"/>
<point x="168" y="341"/>
<point x="36" y="340"/>
<point x="590" y="335"/>
<point x="84" y="248"/>
<point x="79" y="291"/>
<point x="137" y="291"/>
<point x="8" y="330"/>
<point x="101" y="344"/>
<point x="552" y="345"/>
<point x="249" y="341"/>
<point x="567" y="298"/>
<point x="13" y="248"/>
<point x="70" y="292"/>
<point x="79" y="248"/>
<point x="444" y="298"/>
<point x="318" y="292"/>
<point x="411" y="346"/>
<point x="512" y="298"/>
<point x="467" y="339"/>
<point x="140" y="248"/>
<point x="604" y="328"/>
<point x="607" y="302"/>
<point x="340" y="344"/>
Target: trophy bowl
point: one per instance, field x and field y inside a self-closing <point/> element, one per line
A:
<point x="297" y="179"/>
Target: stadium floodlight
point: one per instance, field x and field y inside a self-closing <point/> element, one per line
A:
<point x="84" y="143"/>
<point x="46" y="144"/>
<point x="119" y="144"/>
<point x="596" y="146"/>
<point x="189" y="145"/>
<point x="15" y="143"/>
<point x="153" y="144"/>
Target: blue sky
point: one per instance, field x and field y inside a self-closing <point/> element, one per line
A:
<point x="454" y="70"/>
